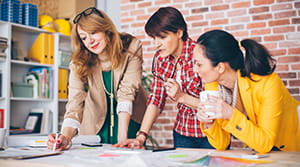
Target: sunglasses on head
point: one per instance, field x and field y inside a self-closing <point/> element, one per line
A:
<point x="87" y="12"/>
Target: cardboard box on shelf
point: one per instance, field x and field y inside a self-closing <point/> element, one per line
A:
<point x="69" y="8"/>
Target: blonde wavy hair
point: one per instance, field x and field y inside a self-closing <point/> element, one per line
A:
<point x="82" y="57"/>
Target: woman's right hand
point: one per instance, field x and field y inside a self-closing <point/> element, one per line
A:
<point x="62" y="142"/>
<point x="131" y="143"/>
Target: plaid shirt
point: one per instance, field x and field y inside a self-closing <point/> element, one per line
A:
<point x="186" y="123"/>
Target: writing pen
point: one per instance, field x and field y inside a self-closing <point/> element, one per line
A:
<point x="164" y="149"/>
<point x="55" y="143"/>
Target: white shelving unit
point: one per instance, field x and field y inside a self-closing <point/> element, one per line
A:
<point x="63" y="43"/>
<point x="17" y="109"/>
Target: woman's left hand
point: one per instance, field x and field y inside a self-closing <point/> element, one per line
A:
<point x="215" y="108"/>
<point x="173" y="89"/>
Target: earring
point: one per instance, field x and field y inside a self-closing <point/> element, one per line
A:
<point x="220" y="67"/>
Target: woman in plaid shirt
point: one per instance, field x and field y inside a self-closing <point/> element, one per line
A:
<point x="173" y="77"/>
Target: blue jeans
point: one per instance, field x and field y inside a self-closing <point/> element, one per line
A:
<point x="190" y="142"/>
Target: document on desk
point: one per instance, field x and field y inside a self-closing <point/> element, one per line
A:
<point x="38" y="140"/>
<point x="26" y="153"/>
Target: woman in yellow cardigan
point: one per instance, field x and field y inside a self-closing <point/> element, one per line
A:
<point x="255" y="106"/>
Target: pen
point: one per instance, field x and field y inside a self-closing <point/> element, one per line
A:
<point x="163" y="149"/>
<point x="256" y="156"/>
<point x="54" y="146"/>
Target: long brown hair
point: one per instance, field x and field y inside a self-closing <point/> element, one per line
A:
<point x="85" y="59"/>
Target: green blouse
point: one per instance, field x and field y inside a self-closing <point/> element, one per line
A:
<point x="104" y="132"/>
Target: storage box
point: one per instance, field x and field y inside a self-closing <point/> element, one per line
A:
<point x="70" y="8"/>
<point x="21" y="89"/>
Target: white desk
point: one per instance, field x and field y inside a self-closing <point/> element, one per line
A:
<point x="104" y="156"/>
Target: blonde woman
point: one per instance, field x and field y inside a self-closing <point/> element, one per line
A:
<point x="105" y="93"/>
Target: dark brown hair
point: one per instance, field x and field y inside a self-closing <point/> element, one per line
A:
<point x="166" y="19"/>
<point x="220" y="46"/>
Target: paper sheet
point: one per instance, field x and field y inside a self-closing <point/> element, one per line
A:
<point x="133" y="161"/>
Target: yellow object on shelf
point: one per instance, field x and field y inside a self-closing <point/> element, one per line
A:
<point x="46" y="23"/>
<point x="63" y="26"/>
<point x="43" y="49"/>
<point x="63" y="83"/>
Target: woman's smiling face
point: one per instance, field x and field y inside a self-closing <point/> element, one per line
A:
<point x="94" y="42"/>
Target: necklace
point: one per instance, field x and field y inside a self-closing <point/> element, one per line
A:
<point x="111" y="97"/>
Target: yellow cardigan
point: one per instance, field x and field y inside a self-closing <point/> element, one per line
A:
<point x="272" y="112"/>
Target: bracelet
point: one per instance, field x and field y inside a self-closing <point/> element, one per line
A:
<point x="142" y="133"/>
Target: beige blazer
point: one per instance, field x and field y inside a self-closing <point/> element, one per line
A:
<point x="90" y="108"/>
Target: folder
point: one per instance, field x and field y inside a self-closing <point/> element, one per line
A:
<point x="51" y="49"/>
<point x="1" y="118"/>
<point x="63" y="83"/>
<point x="43" y="49"/>
<point x="20" y="154"/>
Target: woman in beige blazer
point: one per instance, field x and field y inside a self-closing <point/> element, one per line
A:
<point x="105" y="93"/>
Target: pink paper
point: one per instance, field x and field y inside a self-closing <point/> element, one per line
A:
<point x="109" y="155"/>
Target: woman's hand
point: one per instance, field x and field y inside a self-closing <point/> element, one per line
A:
<point x="214" y="108"/>
<point x="62" y="142"/>
<point x="137" y="143"/>
<point x="121" y="139"/>
<point x="131" y="143"/>
<point x="173" y="89"/>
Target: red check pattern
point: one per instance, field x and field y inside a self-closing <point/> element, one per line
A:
<point x="186" y="123"/>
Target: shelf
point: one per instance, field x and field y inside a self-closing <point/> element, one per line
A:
<point x="64" y="67"/>
<point x="63" y="100"/>
<point x="27" y="28"/>
<point x="64" y="37"/>
<point x="3" y="56"/>
<point x="27" y="63"/>
<point x="2" y="60"/>
<point x="20" y="40"/>
<point x="29" y="99"/>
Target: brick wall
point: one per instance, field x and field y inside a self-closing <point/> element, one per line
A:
<point x="274" y="23"/>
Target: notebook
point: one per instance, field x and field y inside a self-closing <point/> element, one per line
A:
<point x="21" y="153"/>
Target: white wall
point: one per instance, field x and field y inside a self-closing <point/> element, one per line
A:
<point x="112" y="9"/>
